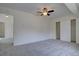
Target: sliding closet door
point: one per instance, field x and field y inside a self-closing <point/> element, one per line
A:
<point x="58" y="30"/>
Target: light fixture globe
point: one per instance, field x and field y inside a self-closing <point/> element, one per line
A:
<point x="45" y="13"/>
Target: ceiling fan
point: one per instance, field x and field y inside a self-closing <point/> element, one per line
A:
<point x="45" y="12"/>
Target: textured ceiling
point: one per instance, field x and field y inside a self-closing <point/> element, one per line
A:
<point x="60" y="8"/>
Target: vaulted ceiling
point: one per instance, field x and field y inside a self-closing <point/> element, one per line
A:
<point x="61" y="9"/>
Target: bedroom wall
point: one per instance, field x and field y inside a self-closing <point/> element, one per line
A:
<point x="65" y="28"/>
<point x="77" y="30"/>
<point x="29" y="28"/>
<point x="53" y="29"/>
<point x="65" y="32"/>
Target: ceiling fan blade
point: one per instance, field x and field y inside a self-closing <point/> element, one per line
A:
<point x="50" y="11"/>
<point x="48" y="14"/>
<point x="39" y="12"/>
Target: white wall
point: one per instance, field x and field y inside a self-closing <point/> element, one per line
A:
<point x="53" y="29"/>
<point x="65" y="33"/>
<point x="29" y="28"/>
<point x="77" y="30"/>
<point x="65" y="28"/>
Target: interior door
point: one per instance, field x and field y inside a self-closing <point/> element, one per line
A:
<point x="73" y="30"/>
<point x="2" y="30"/>
<point x="58" y="30"/>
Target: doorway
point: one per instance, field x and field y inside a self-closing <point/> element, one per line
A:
<point x="2" y="30"/>
<point x="58" y="30"/>
<point x="73" y="30"/>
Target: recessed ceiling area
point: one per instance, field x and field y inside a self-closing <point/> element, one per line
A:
<point x="60" y="8"/>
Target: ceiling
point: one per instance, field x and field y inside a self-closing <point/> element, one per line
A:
<point x="60" y="8"/>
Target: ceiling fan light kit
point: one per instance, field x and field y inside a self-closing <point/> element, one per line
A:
<point x="45" y="13"/>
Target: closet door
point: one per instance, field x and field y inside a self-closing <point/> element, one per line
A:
<point x="73" y="30"/>
<point x="58" y="30"/>
<point x="2" y="30"/>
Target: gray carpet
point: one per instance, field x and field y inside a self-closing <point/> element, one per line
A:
<point x="43" y="48"/>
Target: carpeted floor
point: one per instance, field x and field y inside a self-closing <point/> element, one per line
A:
<point x="43" y="48"/>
